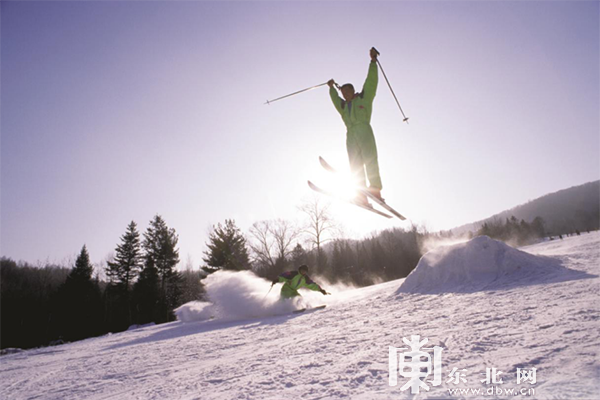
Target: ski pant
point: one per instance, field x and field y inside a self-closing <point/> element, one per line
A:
<point x="362" y="152"/>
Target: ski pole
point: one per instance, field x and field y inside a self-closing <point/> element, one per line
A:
<point x="269" y="291"/>
<point x="390" y="86"/>
<point x="299" y="91"/>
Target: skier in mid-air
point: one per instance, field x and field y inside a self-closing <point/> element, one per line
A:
<point x="294" y="280"/>
<point x="356" y="109"/>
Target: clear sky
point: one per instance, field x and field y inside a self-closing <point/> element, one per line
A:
<point x="117" y="111"/>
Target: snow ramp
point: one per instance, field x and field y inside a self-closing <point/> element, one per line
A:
<point x="481" y="264"/>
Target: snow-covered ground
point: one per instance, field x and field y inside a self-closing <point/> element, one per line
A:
<point x="518" y="312"/>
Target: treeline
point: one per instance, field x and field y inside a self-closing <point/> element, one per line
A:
<point x="274" y="246"/>
<point x="52" y="305"/>
<point x="391" y="254"/>
<point x="515" y="232"/>
<point x="521" y="233"/>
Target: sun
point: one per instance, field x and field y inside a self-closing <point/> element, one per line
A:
<point x="354" y="221"/>
<point x="343" y="185"/>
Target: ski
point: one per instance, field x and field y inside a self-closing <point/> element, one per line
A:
<point x="365" y="191"/>
<point x="310" y="309"/>
<point x="319" y="190"/>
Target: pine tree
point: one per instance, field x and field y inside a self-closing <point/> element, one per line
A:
<point x="122" y="272"/>
<point x="160" y="244"/>
<point x="484" y="230"/>
<point x="80" y="302"/>
<point x="192" y="288"/>
<point x="299" y="256"/>
<point x="226" y="248"/>
<point x="146" y="295"/>
<point x="128" y="260"/>
<point x="83" y="270"/>
<point x="161" y="258"/>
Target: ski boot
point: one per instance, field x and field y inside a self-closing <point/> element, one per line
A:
<point x="375" y="192"/>
<point x="362" y="200"/>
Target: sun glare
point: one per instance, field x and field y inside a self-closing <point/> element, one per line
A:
<point x="343" y="185"/>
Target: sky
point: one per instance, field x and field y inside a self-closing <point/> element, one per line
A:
<point x="118" y="111"/>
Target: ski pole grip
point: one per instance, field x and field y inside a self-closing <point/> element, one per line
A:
<point x="376" y="51"/>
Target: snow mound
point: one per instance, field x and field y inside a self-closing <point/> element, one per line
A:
<point x="479" y="264"/>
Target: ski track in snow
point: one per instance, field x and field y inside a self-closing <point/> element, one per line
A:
<point x="342" y="351"/>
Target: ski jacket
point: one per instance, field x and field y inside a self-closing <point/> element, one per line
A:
<point x="294" y="280"/>
<point x="359" y="112"/>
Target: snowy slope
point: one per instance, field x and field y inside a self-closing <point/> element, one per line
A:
<point x="342" y="351"/>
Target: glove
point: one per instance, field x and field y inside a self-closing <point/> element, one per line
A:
<point x="323" y="291"/>
<point x="331" y="82"/>
<point x="274" y="282"/>
<point x="373" y="53"/>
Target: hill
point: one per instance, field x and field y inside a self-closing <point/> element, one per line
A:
<point x="565" y="211"/>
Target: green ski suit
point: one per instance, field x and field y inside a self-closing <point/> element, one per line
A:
<point x="360" y="141"/>
<point x="294" y="280"/>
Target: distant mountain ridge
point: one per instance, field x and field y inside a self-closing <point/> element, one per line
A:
<point x="565" y="211"/>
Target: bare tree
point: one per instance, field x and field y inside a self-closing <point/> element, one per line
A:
<point x="261" y="244"/>
<point x="272" y="243"/>
<point x="320" y="224"/>
<point x="285" y="234"/>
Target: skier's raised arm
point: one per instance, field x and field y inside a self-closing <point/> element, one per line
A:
<point x="335" y="97"/>
<point x="370" y="86"/>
